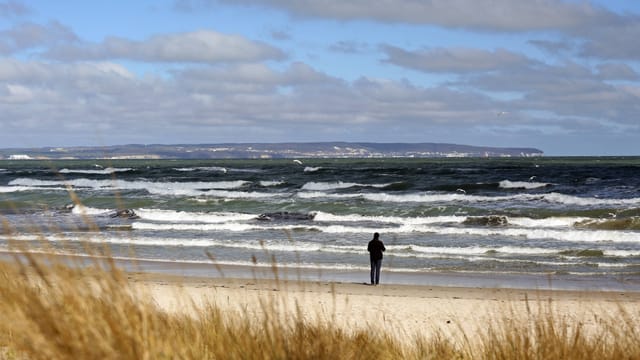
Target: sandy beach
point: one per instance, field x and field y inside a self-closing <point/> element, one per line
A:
<point x="399" y="310"/>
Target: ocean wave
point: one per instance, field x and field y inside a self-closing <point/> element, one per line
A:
<point x="80" y="209"/>
<point x="471" y="250"/>
<point x="550" y="228"/>
<point x="526" y="233"/>
<point x="271" y="183"/>
<point x="471" y="253"/>
<point x="558" y="198"/>
<point x="512" y="250"/>
<point x="324" y="217"/>
<point x="327" y="217"/>
<point x="203" y="168"/>
<point x="10" y="189"/>
<point x="418" y="197"/>
<point x="258" y="226"/>
<point x="163" y="188"/>
<point x="613" y="265"/>
<point x="191" y="217"/>
<point x="323" y="186"/>
<point x="311" y="169"/>
<point x="226" y="226"/>
<point x="487" y="233"/>
<point x="550" y="222"/>
<point x="583" y="253"/>
<point x="238" y="194"/>
<point x="528" y="185"/>
<point x="313" y="190"/>
<point x="588" y="201"/>
<point x="630" y="223"/>
<point x="105" y="171"/>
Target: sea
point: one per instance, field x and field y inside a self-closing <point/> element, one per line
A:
<point x="543" y="222"/>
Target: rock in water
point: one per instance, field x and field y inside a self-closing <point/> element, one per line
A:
<point x="491" y="220"/>
<point x="125" y="214"/>
<point x="285" y="215"/>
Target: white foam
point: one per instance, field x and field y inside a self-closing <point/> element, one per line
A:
<point x="10" y="189"/>
<point x="86" y="210"/>
<point x="421" y="197"/>
<point x="320" y="194"/>
<point x="311" y="169"/>
<point x="582" y="201"/>
<point x="322" y="216"/>
<point x="507" y="184"/>
<point x="238" y="194"/>
<point x="559" y="229"/>
<point x="158" y="188"/>
<point x="271" y="183"/>
<point x="464" y="198"/>
<point x="236" y="227"/>
<point x="572" y="235"/>
<point x="622" y="253"/>
<point x="611" y="265"/>
<point x="552" y="222"/>
<point x="323" y="186"/>
<point x="106" y="171"/>
<point x="184" y="216"/>
<point x="203" y="168"/>
<point x="474" y="250"/>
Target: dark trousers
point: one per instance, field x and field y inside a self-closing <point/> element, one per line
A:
<point x="375" y="271"/>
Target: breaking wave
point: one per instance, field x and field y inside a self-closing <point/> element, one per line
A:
<point x="528" y="185"/>
<point x="105" y="171"/>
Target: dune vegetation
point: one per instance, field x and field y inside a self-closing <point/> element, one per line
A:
<point x="53" y="309"/>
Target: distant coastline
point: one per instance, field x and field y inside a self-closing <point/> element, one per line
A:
<point x="266" y="151"/>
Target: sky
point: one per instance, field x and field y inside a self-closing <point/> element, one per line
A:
<point x="562" y="76"/>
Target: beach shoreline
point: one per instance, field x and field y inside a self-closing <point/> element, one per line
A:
<point x="216" y="270"/>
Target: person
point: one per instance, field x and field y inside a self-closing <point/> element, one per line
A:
<point x="375" y="249"/>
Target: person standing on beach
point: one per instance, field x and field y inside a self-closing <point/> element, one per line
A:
<point x="375" y="249"/>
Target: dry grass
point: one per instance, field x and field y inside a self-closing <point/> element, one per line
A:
<point x="548" y="334"/>
<point x="53" y="311"/>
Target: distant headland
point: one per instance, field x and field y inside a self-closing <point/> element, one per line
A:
<point x="266" y="151"/>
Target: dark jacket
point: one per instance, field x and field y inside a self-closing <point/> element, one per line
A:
<point x="375" y="249"/>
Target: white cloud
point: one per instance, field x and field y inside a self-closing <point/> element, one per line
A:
<point x="567" y="90"/>
<point x="31" y="35"/>
<point x="103" y="103"/>
<point x="554" y="46"/>
<point x="616" y="41"/>
<point x="617" y="71"/>
<point x="454" y="60"/>
<point x="490" y="15"/>
<point x="84" y="98"/>
<point x="12" y="8"/>
<point x="204" y="46"/>
<point x="349" y="47"/>
<point x="588" y="28"/>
